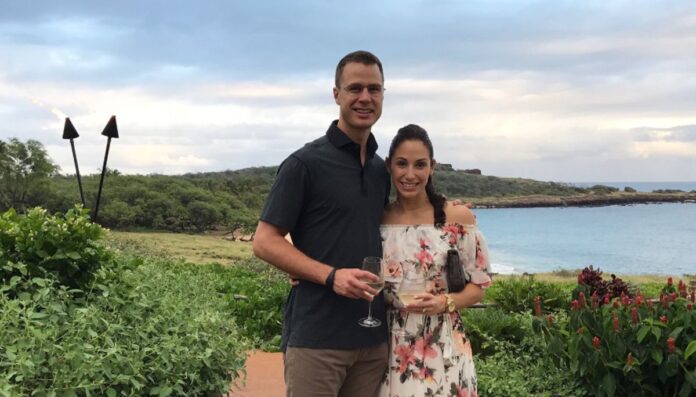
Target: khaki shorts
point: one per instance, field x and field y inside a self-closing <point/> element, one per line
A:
<point x="335" y="373"/>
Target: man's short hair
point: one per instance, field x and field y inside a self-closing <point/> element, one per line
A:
<point x="364" y="57"/>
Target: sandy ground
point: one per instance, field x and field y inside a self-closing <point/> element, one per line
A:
<point x="264" y="376"/>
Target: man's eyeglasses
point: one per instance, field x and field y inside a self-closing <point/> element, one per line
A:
<point x="373" y="90"/>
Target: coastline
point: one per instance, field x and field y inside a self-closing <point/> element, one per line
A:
<point x="581" y="200"/>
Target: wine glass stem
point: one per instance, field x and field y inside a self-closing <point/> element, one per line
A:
<point x="369" y="311"/>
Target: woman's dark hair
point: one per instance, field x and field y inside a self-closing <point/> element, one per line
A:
<point x="414" y="132"/>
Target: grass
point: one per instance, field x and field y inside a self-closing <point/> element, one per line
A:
<point x="194" y="248"/>
<point x="212" y="248"/>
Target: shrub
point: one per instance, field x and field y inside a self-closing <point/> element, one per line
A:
<point x="256" y="295"/>
<point x="517" y="294"/>
<point x="594" y="287"/>
<point x="523" y="370"/>
<point x="157" y="329"/>
<point x="629" y="347"/>
<point x="136" y="327"/>
<point x="66" y="246"/>
<point x="487" y="327"/>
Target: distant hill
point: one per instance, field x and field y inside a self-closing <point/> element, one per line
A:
<point x="233" y="199"/>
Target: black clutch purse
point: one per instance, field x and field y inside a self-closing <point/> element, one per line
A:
<point x="457" y="278"/>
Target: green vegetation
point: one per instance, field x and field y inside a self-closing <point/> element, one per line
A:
<point x="191" y="248"/>
<point x="624" y="345"/>
<point x="24" y="171"/>
<point x="147" y="323"/>
<point x="205" y="201"/>
<point x="133" y="327"/>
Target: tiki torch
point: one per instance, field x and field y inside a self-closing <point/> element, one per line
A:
<point x="110" y="131"/>
<point x="69" y="132"/>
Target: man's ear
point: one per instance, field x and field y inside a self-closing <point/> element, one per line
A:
<point x="335" y="95"/>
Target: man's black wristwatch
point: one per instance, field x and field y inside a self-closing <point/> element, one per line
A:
<point x="330" y="279"/>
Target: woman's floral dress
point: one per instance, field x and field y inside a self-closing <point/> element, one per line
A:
<point x="430" y="355"/>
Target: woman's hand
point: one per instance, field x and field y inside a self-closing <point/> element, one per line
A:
<point x="427" y="303"/>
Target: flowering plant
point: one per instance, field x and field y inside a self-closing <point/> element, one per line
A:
<point x="628" y="346"/>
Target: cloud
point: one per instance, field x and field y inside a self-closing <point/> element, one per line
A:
<point x="551" y="90"/>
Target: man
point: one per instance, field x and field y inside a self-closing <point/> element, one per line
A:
<point x="330" y="195"/>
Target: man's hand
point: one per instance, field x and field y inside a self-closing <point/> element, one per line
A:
<point x="351" y="283"/>
<point x="457" y="202"/>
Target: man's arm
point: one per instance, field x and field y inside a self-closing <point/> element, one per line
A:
<point x="270" y="245"/>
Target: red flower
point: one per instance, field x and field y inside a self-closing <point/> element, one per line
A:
<point x="423" y="347"/>
<point x="673" y="296"/>
<point x="629" y="359"/>
<point x="692" y="296"/>
<point x="424" y="258"/>
<point x="537" y="306"/>
<point x="663" y="319"/>
<point x="624" y="300"/>
<point x="549" y="318"/>
<point x="405" y="356"/>
<point x="669" y="281"/>
<point x="689" y="306"/>
<point x="639" y="299"/>
<point x="581" y="298"/>
<point x="594" y="300"/>
<point x="665" y="302"/>
<point x="575" y="305"/>
<point x="670" y="345"/>
<point x="616" y="304"/>
<point x="595" y="342"/>
<point x="606" y="299"/>
<point x="634" y="315"/>
<point x="616" y="323"/>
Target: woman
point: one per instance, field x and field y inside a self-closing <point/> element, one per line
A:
<point x="430" y="354"/>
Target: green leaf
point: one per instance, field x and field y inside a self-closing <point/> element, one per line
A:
<point x="165" y="391"/>
<point x="110" y="392"/>
<point x="657" y="356"/>
<point x="675" y="333"/>
<point x="690" y="349"/>
<point x="74" y="255"/>
<point x="609" y="384"/>
<point x="657" y="332"/>
<point x="642" y="333"/>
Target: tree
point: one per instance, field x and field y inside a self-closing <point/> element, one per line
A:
<point x="24" y="172"/>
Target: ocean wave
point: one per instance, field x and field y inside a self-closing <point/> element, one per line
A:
<point x="499" y="268"/>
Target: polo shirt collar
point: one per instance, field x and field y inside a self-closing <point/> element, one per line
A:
<point x="340" y="140"/>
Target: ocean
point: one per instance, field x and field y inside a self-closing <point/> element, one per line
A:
<point x="631" y="239"/>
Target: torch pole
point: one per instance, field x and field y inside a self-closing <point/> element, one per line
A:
<point x="101" y="180"/>
<point x="77" y="171"/>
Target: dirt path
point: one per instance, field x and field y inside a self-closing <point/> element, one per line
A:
<point x="264" y="376"/>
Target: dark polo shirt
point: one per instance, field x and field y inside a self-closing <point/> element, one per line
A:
<point x="332" y="206"/>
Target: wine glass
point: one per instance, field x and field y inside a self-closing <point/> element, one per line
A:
<point x="374" y="265"/>
<point x="412" y="283"/>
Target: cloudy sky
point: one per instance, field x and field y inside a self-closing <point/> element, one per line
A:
<point x="550" y="90"/>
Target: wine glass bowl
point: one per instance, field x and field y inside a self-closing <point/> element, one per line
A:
<point x="374" y="265"/>
<point x="413" y="283"/>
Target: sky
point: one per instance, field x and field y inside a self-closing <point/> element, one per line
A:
<point x="567" y="91"/>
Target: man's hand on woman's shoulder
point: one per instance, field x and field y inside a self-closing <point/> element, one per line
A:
<point x="457" y="212"/>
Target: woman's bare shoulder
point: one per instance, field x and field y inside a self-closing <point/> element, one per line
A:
<point x="459" y="214"/>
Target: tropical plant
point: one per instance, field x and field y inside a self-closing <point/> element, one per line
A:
<point x="628" y="347"/>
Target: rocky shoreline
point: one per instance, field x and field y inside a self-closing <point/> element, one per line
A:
<point x="582" y="200"/>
